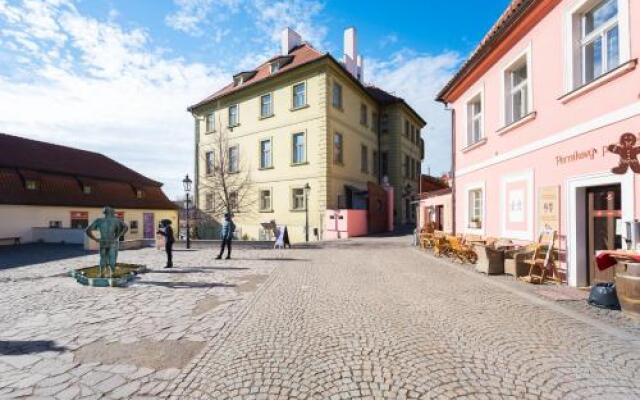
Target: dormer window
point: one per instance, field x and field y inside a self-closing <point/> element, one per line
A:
<point x="139" y="193"/>
<point x="276" y="64"/>
<point x="242" y="77"/>
<point x="86" y="189"/>
<point x="31" y="184"/>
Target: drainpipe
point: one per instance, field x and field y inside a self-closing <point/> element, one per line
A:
<point x="378" y="129"/>
<point x="453" y="170"/>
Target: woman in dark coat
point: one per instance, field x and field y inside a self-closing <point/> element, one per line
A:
<point x="167" y="232"/>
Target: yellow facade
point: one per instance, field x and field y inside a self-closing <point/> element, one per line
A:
<point x="318" y="120"/>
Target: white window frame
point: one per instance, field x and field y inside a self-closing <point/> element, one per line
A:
<point x="263" y="140"/>
<point x="527" y="234"/>
<point x="293" y="95"/>
<point x="304" y="149"/>
<point x="477" y="95"/>
<point x="293" y="202"/>
<point x="574" y="76"/>
<point x="237" y="122"/>
<point x="237" y="169"/>
<point x="209" y="171"/>
<point x="469" y="188"/>
<point x="210" y="127"/>
<point x="508" y="91"/>
<point x="333" y="96"/>
<point x="271" y="113"/>
<point x="260" y="192"/>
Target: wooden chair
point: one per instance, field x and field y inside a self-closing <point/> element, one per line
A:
<point x="461" y="251"/>
<point x="541" y="266"/>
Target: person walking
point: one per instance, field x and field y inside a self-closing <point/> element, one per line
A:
<point x="226" y="235"/>
<point x="167" y="232"/>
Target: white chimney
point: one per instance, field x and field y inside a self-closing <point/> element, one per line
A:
<point x="288" y="40"/>
<point x="352" y="61"/>
<point x="360" y="66"/>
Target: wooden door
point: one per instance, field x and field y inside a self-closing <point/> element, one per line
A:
<point x="603" y="210"/>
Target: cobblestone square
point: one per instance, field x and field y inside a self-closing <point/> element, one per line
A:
<point x="359" y="319"/>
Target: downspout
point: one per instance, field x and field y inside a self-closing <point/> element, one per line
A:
<point x="196" y="175"/>
<point x="378" y="161"/>
<point x="453" y="170"/>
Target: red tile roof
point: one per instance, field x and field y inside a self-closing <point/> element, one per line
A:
<point x="61" y="172"/>
<point x="301" y="55"/>
<point x="508" y="18"/>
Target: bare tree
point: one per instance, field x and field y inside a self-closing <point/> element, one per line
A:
<point x="226" y="177"/>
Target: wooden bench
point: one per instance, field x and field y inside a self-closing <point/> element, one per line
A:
<point x="14" y="239"/>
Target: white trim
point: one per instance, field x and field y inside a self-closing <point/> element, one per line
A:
<point x="576" y="206"/>
<point x="527" y="176"/>
<point x="479" y="91"/>
<point x="474" y="186"/>
<point x="570" y="41"/>
<point x="526" y="54"/>
<point x="611" y="118"/>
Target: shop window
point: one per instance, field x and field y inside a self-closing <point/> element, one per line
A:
<point x="79" y="219"/>
<point x="133" y="227"/>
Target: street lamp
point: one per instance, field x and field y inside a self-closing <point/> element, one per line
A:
<point x="186" y="182"/>
<point x="307" y="188"/>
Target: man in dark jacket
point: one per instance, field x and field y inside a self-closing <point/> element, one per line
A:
<point x="226" y="235"/>
<point x="167" y="232"/>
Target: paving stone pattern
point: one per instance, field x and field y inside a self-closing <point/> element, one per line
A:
<point x="52" y="329"/>
<point x="373" y="319"/>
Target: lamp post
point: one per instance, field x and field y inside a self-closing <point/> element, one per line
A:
<point x="186" y="182"/>
<point x="307" y="188"/>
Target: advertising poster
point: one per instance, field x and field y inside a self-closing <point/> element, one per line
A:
<point x="549" y="208"/>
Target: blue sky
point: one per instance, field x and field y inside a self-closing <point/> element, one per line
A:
<point x="115" y="76"/>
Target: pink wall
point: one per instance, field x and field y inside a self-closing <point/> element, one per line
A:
<point x="343" y="224"/>
<point x="566" y="140"/>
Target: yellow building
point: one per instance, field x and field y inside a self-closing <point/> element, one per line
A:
<point x="303" y="118"/>
<point x="50" y="193"/>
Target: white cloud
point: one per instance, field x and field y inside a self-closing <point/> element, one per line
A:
<point x="106" y="89"/>
<point x="388" y="40"/>
<point x="418" y="78"/>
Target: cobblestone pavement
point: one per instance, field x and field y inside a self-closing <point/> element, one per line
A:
<point x="372" y="318"/>
<point x="61" y="340"/>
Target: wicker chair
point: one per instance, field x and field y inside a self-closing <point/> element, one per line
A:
<point x="514" y="261"/>
<point x="490" y="260"/>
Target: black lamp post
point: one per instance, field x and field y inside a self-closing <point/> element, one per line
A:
<point x="307" y="188"/>
<point x="187" y="188"/>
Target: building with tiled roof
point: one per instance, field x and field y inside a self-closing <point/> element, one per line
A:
<point x="49" y="192"/>
<point x="303" y="117"/>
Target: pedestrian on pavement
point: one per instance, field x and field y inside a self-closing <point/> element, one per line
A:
<point x="286" y="238"/>
<point x="167" y="232"/>
<point x="226" y="235"/>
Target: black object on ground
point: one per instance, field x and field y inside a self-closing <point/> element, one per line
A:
<point x="604" y="295"/>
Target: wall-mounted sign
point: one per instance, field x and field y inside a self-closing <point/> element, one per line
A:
<point x="587" y="154"/>
<point x="549" y="208"/>
<point x="628" y="152"/>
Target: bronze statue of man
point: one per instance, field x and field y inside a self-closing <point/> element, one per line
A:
<point x="111" y="228"/>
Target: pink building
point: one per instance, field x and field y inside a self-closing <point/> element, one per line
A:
<point x="534" y="110"/>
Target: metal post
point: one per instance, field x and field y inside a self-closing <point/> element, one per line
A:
<point x="306" y="212"/>
<point x="188" y="239"/>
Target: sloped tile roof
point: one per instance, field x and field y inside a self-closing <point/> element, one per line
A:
<point x="301" y="55"/>
<point x="62" y="171"/>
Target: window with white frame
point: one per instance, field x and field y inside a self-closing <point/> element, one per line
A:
<point x="265" y="200"/>
<point x="517" y="91"/>
<point x="233" y="115"/>
<point x="337" y="149"/>
<point x="208" y="201"/>
<point x="266" y="105"/>
<point x="210" y="122"/>
<point x="266" y="156"/>
<point x="364" y="159"/>
<point x="298" y="155"/>
<point x="299" y="95"/>
<point x="337" y="95"/>
<point x="233" y="201"/>
<point x="209" y="162"/>
<point x="234" y="154"/>
<point x="297" y="199"/>
<point x="474" y="120"/>
<point x="475" y="208"/>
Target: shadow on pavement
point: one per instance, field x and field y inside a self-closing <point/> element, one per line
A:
<point x="20" y="347"/>
<point x="37" y="253"/>
<point x="186" y="285"/>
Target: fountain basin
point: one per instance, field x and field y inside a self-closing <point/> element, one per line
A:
<point x="124" y="274"/>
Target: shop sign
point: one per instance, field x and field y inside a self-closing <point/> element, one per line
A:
<point x="627" y="152"/>
<point x="588" y="154"/>
<point x="549" y="208"/>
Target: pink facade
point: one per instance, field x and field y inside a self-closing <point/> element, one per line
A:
<point x="514" y="178"/>
<point x="343" y="224"/>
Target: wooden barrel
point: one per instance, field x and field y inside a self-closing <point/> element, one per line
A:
<point x="628" y="287"/>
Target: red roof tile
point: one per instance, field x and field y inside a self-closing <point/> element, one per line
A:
<point x="302" y="55"/>
<point x="61" y="172"/>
